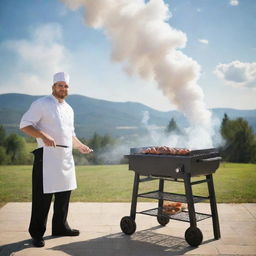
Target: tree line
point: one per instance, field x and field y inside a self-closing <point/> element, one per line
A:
<point x="239" y="139"/>
<point x="14" y="149"/>
<point x="239" y="144"/>
<point x="99" y="144"/>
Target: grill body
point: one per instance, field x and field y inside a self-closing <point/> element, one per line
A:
<point x="197" y="163"/>
<point x="174" y="168"/>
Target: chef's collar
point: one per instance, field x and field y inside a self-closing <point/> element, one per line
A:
<point x="56" y="100"/>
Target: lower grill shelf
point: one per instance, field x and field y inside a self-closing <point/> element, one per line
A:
<point x="171" y="196"/>
<point x="182" y="216"/>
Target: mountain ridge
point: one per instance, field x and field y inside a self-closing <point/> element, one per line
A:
<point x="108" y="117"/>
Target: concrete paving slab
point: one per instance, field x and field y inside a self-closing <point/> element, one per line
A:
<point x="101" y="234"/>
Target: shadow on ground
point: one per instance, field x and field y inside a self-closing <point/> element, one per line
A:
<point x="8" y="249"/>
<point x="145" y="242"/>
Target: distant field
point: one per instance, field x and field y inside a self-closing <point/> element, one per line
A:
<point x="234" y="183"/>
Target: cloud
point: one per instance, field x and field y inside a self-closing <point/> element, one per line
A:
<point x="238" y="74"/>
<point x="234" y="2"/>
<point x="37" y="58"/>
<point x="203" y="41"/>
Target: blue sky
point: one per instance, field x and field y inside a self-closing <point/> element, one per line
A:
<point x="40" y="37"/>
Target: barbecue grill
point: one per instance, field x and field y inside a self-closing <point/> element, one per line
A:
<point x="176" y="168"/>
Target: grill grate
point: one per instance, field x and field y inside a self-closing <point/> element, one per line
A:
<point x="198" y="152"/>
<point x="182" y="216"/>
<point x="171" y="196"/>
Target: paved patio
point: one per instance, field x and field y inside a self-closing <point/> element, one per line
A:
<point x="101" y="234"/>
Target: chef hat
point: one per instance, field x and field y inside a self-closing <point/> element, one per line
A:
<point x="61" y="77"/>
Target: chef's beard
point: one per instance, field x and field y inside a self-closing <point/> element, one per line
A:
<point x="60" y="95"/>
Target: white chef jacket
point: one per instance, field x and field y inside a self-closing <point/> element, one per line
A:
<point x="57" y="120"/>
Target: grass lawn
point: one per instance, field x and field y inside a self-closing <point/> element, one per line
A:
<point x="234" y="183"/>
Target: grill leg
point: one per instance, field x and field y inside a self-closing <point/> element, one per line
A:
<point x="161" y="189"/>
<point x="190" y="200"/>
<point x="135" y="195"/>
<point x="215" y="218"/>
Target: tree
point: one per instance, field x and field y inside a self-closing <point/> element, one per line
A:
<point x="4" y="158"/>
<point x="240" y="140"/>
<point x="95" y="142"/>
<point x="172" y="127"/>
<point x="224" y="126"/>
<point x="99" y="144"/>
<point x="15" y="147"/>
<point x="2" y="135"/>
<point x="107" y="141"/>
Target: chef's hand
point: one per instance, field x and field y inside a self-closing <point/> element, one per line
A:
<point x="48" y="140"/>
<point x="84" y="149"/>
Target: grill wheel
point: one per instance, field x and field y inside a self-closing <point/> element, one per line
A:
<point x="194" y="236"/>
<point x="128" y="225"/>
<point x="163" y="220"/>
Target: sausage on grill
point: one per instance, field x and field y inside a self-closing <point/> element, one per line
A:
<point x="166" y="151"/>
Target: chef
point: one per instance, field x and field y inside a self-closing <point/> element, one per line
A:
<point x="50" y="120"/>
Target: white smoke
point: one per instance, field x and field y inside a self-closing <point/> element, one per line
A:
<point x="154" y="135"/>
<point x="149" y="47"/>
<point x="186" y="138"/>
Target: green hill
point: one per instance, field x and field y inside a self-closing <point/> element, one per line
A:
<point x="106" y="117"/>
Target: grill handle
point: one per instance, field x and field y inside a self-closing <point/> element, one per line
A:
<point x="218" y="158"/>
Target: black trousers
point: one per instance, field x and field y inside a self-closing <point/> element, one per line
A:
<point x="41" y="202"/>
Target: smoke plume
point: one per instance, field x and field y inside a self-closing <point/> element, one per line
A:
<point x="150" y="48"/>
